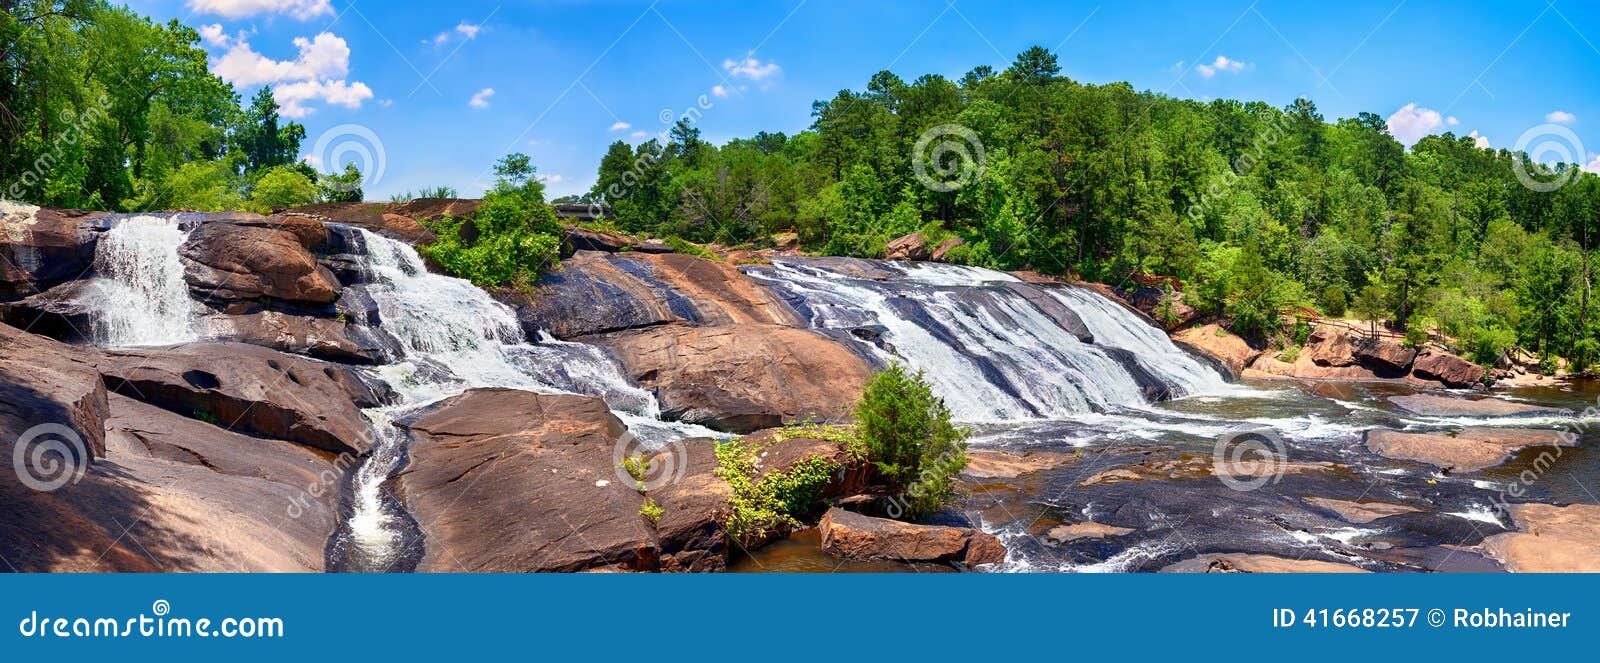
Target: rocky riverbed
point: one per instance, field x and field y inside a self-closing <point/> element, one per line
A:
<point x="300" y="392"/>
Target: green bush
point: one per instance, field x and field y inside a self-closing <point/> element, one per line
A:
<point x="284" y="186"/>
<point x="514" y="235"/>
<point x="908" y="436"/>
<point x="775" y="503"/>
<point x="686" y="247"/>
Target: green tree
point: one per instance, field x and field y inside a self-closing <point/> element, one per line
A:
<point x="909" y="437"/>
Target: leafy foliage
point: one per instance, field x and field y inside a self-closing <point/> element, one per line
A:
<point x="774" y="503"/>
<point x="511" y="239"/>
<point x="908" y="436"/>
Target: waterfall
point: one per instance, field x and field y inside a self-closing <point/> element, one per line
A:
<point x="455" y="337"/>
<point x="985" y="340"/>
<point x="138" y="290"/>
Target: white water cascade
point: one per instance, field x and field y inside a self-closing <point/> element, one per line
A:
<point x="455" y="337"/>
<point x="989" y="351"/>
<point x="138" y="289"/>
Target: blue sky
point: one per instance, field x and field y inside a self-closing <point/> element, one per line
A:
<point x="448" y="87"/>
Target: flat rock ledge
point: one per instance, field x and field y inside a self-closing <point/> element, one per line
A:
<point x="854" y="536"/>
<point x="1466" y="451"/>
<point x="1248" y="563"/>
<point x="1550" y="539"/>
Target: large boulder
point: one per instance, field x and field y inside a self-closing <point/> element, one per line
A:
<point x="66" y="312"/>
<point x="231" y="261"/>
<point x="393" y="220"/>
<point x="1385" y="354"/>
<point x="1225" y="349"/>
<point x="909" y="247"/>
<point x="941" y="253"/>
<point x="1453" y="371"/>
<point x="1465" y="451"/>
<point x="252" y="389"/>
<point x="43" y="247"/>
<point x="742" y="377"/>
<point x="595" y="293"/>
<point x="855" y="536"/>
<point x="501" y="480"/>
<point x="575" y="239"/>
<point x="1330" y="346"/>
<point x="46" y="382"/>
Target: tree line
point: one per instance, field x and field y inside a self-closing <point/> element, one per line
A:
<point x="101" y="108"/>
<point x="1260" y="211"/>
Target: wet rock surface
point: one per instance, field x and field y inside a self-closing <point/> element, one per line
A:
<point x="855" y="536"/>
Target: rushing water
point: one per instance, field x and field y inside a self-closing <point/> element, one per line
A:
<point x="986" y="344"/>
<point x="138" y="287"/>
<point x="454" y="337"/>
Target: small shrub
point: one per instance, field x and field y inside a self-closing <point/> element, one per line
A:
<point x="1289" y="355"/>
<point x="686" y="247"/>
<point x="650" y="510"/>
<point x="909" y="438"/>
<point x="763" y="506"/>
<point x="637" y="466"/>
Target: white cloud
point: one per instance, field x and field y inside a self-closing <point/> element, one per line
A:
<point x="1452" y="121"/>
<point x="325" y="56"/>
<point x="1409" y="124"/>
<point x="719" y="91"/>
<point x="481" y="99"/>
<point x="621" y="126"/>
<point x="318" y="72"/>
<point x="1221" y="64"/>
<point x="751" y="68"/>
<point x="1479" y="140"/>
<point x="1560" y="116"/>
<point x="468" y="30"/>
<point x="293" y="96"/>
<point x="301" y="9"/>
<point x="553" y="179"/>
<point x="214" y="35"/>
<point x="1594" y="166"/>
<point x="385" y="102"/>
<point x="639" y="134"/>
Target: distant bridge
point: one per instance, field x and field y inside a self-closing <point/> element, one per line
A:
<point x="581" y="211"/>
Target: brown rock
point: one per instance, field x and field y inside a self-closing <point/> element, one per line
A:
<point x="909" y="247"/>
<point x="1431" y="405"/>
<point x="502" y="480"/>
<point x="393" y="220"/>
<point x="243" y="261"/>
<point x="1329" y="346"/>
<point x="321" y="338"/>
<point x="46" y="382"/>
<point x="1245" y="563"/>
<point x="43" y="247"/>
<point x="741" y="377"/>
<point x="251" y="389"/>
<point x="786" y="241"/>
<point x="1085" y="530"/>
<point x="1385" y="354"/>
<point x="1552" y="539"/>
<point x="690" y="533"/>
<point x="984" y="464"/>
<point x="1453" y="371"/>
<point x="66" y="312"/>
<point x="1228" y="350"/>
<point x="942" y="252"/>
<point x="854" y="536"/>
<point x="575" y="239"/>
<point x="1469" y="450"/>
<point x="1360" y="513"/>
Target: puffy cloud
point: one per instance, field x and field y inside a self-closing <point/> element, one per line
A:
<point x="1560" y="117"/>
<point x="481" y="99"/>
<point x="1409" y="124"/>
<point x="639" y="134"/>
<point x="1593" y="166"/>
<point x="293" y="96"/>
<point x="553" y="179"/>
<point x="1452" y="121"/>
<point x="325" y="56"/>
<point x="468" y="30"/>
<point x="318" y="72"/>
<point x="1221" y="64"/>
<point x="621" y="126"/>
<point x="214" y="35"/>
<point x="1479" y="140"/>
<point x="751" y="68"/>
<point x="301" y="9"/>
<point x="719" y="91"/>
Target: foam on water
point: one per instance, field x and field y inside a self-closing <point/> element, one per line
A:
<point x="138" y="291"/>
